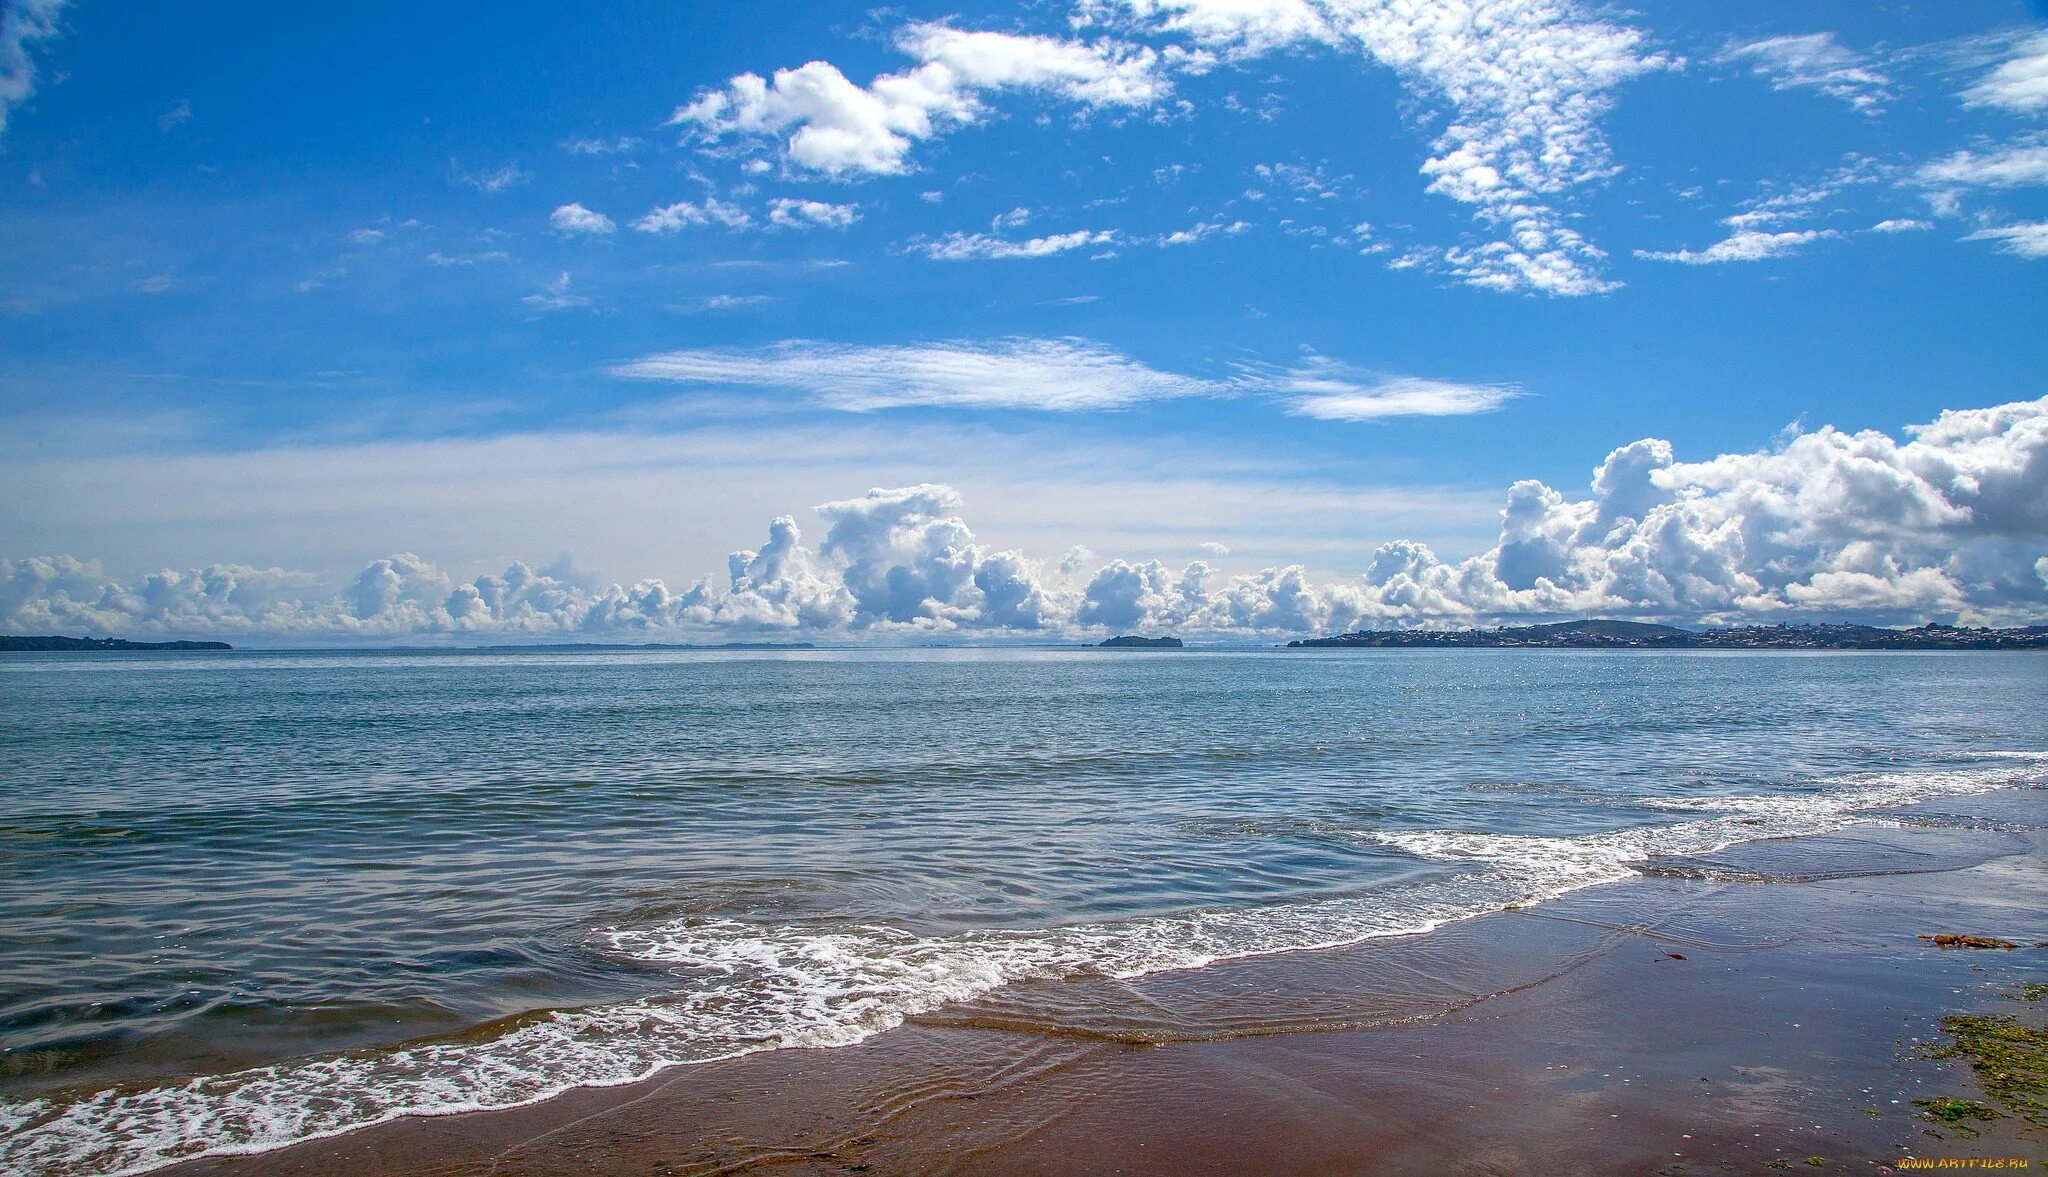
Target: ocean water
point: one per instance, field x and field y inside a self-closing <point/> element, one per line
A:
<point x="254" y="898"/>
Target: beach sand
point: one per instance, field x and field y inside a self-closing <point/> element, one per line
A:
<point x="1697" y="1020"/>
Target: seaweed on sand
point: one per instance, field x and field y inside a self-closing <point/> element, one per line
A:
<point x="2010" y="1060"/>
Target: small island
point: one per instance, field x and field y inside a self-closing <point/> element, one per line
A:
<point x="1601" y="634"/>
<point x="49" y="644"/>
<point x="1134" y="642"/>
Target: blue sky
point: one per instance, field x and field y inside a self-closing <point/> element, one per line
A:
<point x="297" y="289"/>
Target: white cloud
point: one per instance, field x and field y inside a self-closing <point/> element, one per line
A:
<point x="2028" y="239"/>
<point x="2012" y="165"/>
<point x="1240" y="28"/>
<point x="1814" y="61"/>
<point x="960" y="247"/>
<point x="1951" y="522"/>
<point x="622" y="145"/>
<point x="1212" y="548"/>
<point x="1901" y="225"/>
<point x="1204" y="230"/>
<point x="1743" y="245"/>
<point x="438" y="258"/>
<point x="1062" y="375"/>
<point x="556" y="296"/>
<point x="683" y="214"/>
<point x="1330" y="391"/>
<point x="492" y="181"/>
<point x="812" y="214"/>
<point x="1528" y="82"/>
<point x="176" y="113"/>
<point x="839" y="128"/>
<point x="2020" y="82"/>
<point x="366" y="236"/>
<point x="723" y="302"/>
<point x="573" y="219"/>
<point x="23" y="26"/>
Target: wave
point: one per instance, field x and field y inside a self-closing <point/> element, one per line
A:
<point x="751" y="987"/>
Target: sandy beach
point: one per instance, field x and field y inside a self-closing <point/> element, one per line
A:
<point x="1768" y="1008"/>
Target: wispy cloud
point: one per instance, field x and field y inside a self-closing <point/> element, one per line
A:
<point x="467" y="259"/>
<point x="721" y="302"/>
<point x="23" y="26"/>
<point x="1331" y="391"/>
<point x="2027" y="239"/>
<point x="1052" y="375"/>
<point x="621" y="145"/>
<point x="960" y="247"/>
<point x="2009" y="165"/>
<point x="178" y="112"/>
<point x="2019" y="83"/>
<point x="1056" y="375"/>
<point x="1743" y="245"/>
<point x="556" y="296"/>
<point x="1527" y="81"/>
<point x="1814" y="61"/>
<point x="492" y="180"/>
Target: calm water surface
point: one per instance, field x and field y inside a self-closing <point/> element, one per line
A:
<point x="249" y="898"/>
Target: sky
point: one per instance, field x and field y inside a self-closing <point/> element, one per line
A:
<point x="1234" y="318"/>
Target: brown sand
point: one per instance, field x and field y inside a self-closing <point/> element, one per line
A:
<point x="1564" y="1039"/>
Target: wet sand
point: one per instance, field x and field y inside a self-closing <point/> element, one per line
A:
<point x="1699" y="1020"/>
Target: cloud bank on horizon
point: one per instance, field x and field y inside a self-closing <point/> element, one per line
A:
<point x="1949" y="523"/>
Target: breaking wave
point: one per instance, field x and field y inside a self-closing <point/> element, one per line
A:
<point x="745" y="987"/>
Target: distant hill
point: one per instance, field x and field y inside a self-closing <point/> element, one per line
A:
<point x="1637" y="635"/>
<point x="1132" y="642"/>
<point x="599" y="647"/>
<point x="56" y="643"/>
<point x="1600" y="628"/>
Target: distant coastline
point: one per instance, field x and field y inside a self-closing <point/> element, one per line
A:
<point x="587" y="647"/>
<point x="1132" y="642"/>
<point x="10" y="642"/>
<point x="1638" y="635"/>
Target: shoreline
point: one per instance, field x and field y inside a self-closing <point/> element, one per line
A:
<point x="1515" y="1036"/>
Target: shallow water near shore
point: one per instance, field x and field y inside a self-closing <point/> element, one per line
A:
<point x="259" y="898"/>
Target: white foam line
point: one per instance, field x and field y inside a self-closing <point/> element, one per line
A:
<point x="756" y="987"/>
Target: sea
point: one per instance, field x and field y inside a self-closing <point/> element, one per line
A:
<point x="254" y="898"/>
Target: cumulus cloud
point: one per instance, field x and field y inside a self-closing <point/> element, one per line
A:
<point x="1951" y="521"/>
<point x="683" y="214"/>
<point x="1044" y="374"/>
<point x="811" y="214"/>
<point x="960" y="247"/>
<point x="23" y="26"/>
<point x="831" y="125"/>
<point x="1814" y="61"/>
<point x="2020" y="82"/>
<point x="1527" y="83"/>
<point x="573" y="219"/>
<point x="1743" y="245"/>
<point x="2028" y="239"/>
